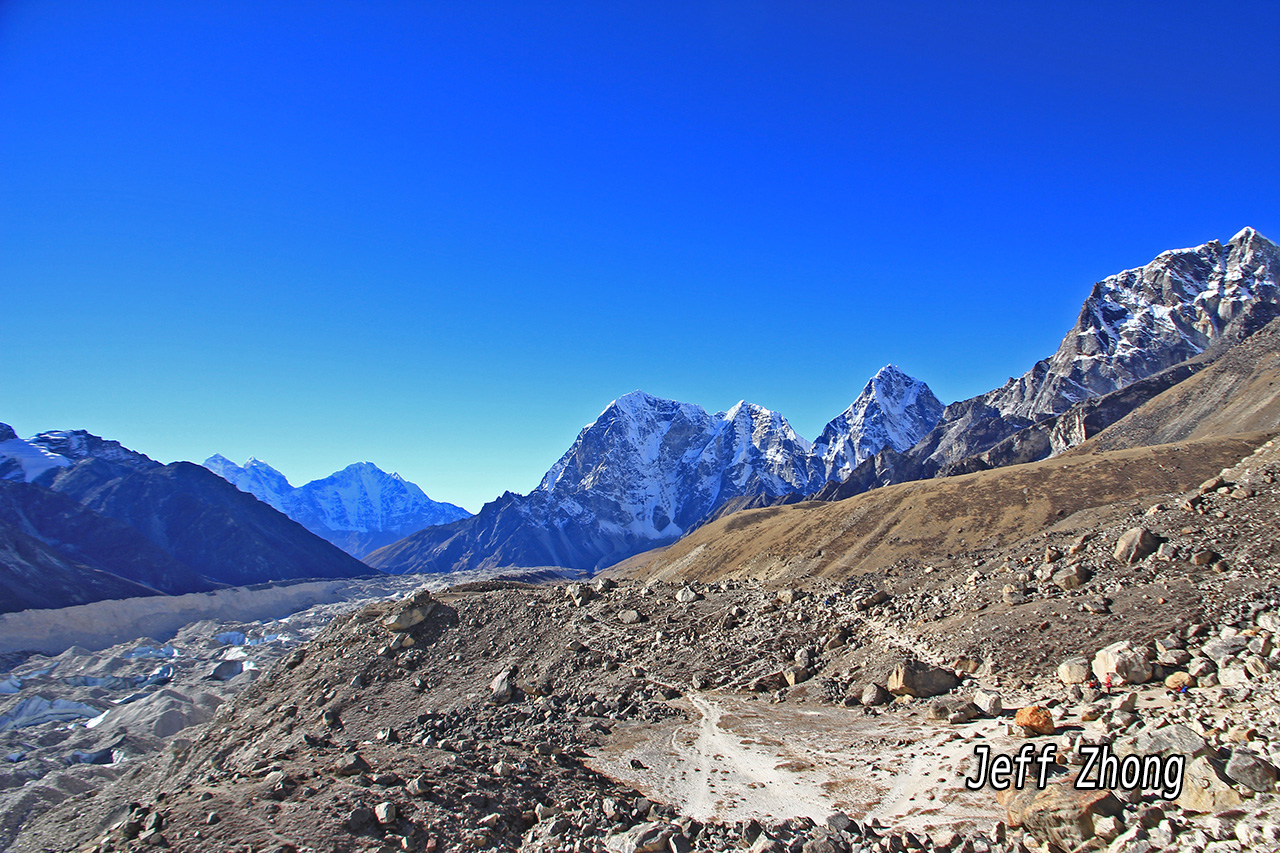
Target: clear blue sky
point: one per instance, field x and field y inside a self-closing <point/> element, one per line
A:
<point x="443" y="236"/>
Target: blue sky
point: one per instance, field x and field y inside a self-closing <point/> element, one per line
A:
<point x="443" y="236"/>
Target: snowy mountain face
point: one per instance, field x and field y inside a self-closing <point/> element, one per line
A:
<point x="648" y="470"/>
<point x="1133" y="325"/>
<point x="21" y="460"/>
<point x="653" y="468"/>
<point x="1140" y="321"/>
<point x="25" y="459"/>
<point x="77" y="444"/>
<point x="893" y="410"/>
<point x="255" y="477"/>
<point x="359" y="508"/>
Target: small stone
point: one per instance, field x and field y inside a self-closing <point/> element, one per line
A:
<point x="385" y="813"/>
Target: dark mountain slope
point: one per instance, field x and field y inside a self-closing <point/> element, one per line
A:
<point x="205" y="522"/>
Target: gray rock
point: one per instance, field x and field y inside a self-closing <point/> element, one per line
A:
<point x="410" y="612"/>
<point x="500" y="689"/>
<point x="989" y="702"/>
<point x="1221" y="648"/>
<point x="1072" y="577"/>
<point x="870" y="600"/>
<point x="921" y="680"/>
<point x="953" y="710"/>
<point x="641" y="838"/>
<point x="385" y="813"/>
<point x="872" y="695"/>
<point x="1176" y="739"/>
<point x="1200" y="667"/>
<point x="1135" y="544"/>
<point x="1122" y="663"/>
<point x="578" y="594"/>
<point x="1252" y="771"/>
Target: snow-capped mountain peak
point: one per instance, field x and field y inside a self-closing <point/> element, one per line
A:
<point x="359" y="508"/>
<point x="22" y="460"/>
<point x="1140" y="321"/>
<point x="255" y="477"/>
<point x="894" y="410"/>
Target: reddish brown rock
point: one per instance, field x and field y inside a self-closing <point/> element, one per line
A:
<point x="1036" y="718"/>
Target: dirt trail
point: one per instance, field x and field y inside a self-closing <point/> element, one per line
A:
<point x="740" y="758"/>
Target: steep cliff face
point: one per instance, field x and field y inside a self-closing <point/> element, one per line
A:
<point x="893" y="411"/>
<point x="1133" y="325"/>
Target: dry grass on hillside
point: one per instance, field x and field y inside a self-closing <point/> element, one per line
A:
<point x="933" y="521"/>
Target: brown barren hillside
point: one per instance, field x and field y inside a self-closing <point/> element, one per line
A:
<point x="1239" y="392"/>
<point x="934" y="521"/>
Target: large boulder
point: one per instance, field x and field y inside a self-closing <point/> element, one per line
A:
<point x="921" y="680"/>
<point x="1074" y="670"/>
<point x="1206" y="789"/>
<point x="872" y="695"/>
<point x="1248" y="769"/>
<point x="1035" y="718"/>
<point x="1123" y="663"/>
<point x="1135" y="544"/>
<point x="410" y="612"/>
<point x="1059" y="815"/>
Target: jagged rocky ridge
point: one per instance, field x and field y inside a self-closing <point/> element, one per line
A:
<point x="84" y="519"/>
<point x="1136" y="332"/>
<point x="638" y="477"/>
<point x="359" y="509"/>
<point x="648" y="470"/>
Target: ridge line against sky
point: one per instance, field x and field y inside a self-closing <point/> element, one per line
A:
<point x="442" y="237"/>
